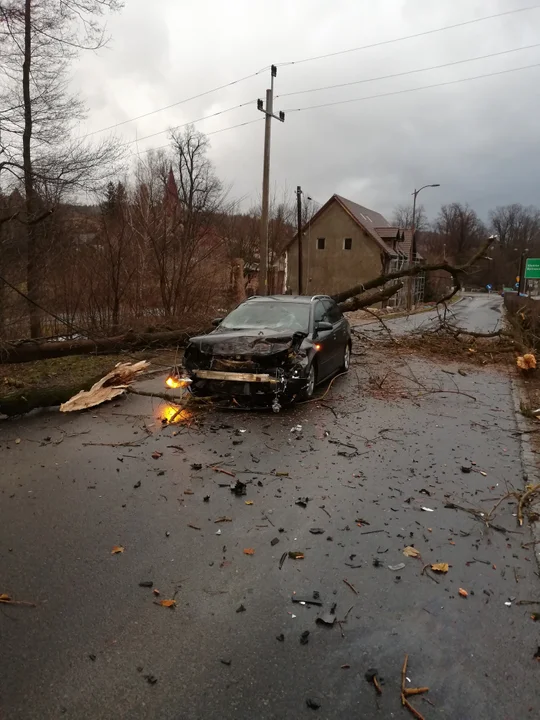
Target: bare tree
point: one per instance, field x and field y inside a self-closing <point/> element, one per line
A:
<point x="402" y="217"/>
<point x="177" y="207"/>
<point x="38" y="39"/>
<point x="460" y="230"/>
<point x="516" y="226"/>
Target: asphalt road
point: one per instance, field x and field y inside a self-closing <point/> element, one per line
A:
<point x="476" y="312"/>
<point x="371" y="458"/>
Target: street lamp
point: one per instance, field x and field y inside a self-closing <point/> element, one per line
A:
<point x="412" y="248"/>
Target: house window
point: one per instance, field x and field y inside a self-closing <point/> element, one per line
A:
<point x="347" y="244"/>
<point x="321" y="243"/>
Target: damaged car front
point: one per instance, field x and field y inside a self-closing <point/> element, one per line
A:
<point x="261" y="353"/>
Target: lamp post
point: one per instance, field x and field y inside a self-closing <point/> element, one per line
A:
<point x="412" y="248"/>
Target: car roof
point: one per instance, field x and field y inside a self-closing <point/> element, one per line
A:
<point x="306" y="299"/>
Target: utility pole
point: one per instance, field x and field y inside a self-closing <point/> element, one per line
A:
<point x="263" y="242"/>
<point x="299" y="227"/>
<point x="412" y="249"/>
<point x="522" y="266"/>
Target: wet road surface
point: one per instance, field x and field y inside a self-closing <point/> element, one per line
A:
<point x="377" y="450"/>
<point x="477" y="313"/>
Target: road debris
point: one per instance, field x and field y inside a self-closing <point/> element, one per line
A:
<point x="146" y="584"/>
<point x="249" y="551"/>
<point x="355" y="591"/>
<point x="406" y="692"/>
<point x="371" y="676"/>
<point x="222" y="519"/>
<point x="313" y="704"/>
<point x="223" y="471"/>
<point x="151" y="679"/>
<point x="274" y="541"/>
<point x="117" y="549"/>
<point x="156" y="454"/>
<point x="166" y="603"/>
<point x="280" y="637"/>
<point x="463" y="593"/>
<point x="316" y="531"/>
<point x="411" y="552"/>
<point x="327" y="618"/>
<point x="304" y="637"/>
<point x="306" y="600"/>
<point x="302" y="502"/>
<point x="239" y="488"/>
<point x="240" y="609"/>
<point x="8" y="600"/>
<point x="282" y="560"/>
<point x="112" y="385"/>
<point x="296" y="555"/>
<point x="397" y="567"/>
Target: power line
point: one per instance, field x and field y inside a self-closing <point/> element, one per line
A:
<point x="408" y="72"/>
<point x="214" y="132"/>
<point x="408" y="37"/>
<point x="175" y="104"/>
<point x="408" y="90"/>
<point x="191" y="122"/>
<point x="298" y="62"/>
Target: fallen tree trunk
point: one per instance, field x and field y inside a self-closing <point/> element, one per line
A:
<point x="356" y="303"/>
<point x="22" y="401"/>
<point x="29" y="351"/>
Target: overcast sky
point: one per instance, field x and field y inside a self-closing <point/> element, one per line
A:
<point x="478" y="139"/>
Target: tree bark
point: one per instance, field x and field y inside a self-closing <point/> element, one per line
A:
<point x="29" y="351"/>
<point x="32" y="265"/>
<point x="357" y="303"/>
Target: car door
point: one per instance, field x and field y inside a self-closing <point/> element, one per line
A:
<point x="340" y="336"/>
<point x="324" y="339"/>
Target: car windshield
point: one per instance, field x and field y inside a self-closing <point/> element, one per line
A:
<point x="272" y="315"/>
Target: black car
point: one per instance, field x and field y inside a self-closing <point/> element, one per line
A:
<point x="274" y="348"/>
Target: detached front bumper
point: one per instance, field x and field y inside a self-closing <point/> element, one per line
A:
<point x="235" y="376"/>
<point x="263" y="387"/>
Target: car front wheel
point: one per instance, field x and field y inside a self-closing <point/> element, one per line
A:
<point x="346" y="363"/>
<point x="311" y="381"/>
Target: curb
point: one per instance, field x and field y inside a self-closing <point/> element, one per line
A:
<point x="528" y="459"/>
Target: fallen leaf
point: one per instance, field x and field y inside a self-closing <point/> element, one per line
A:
<point x="248" y="502"/>
<point x="5" y="597"/>
<point x="156" y="455"/>
<point x="411" y="552"/>
<point x="440" y="567"/>
<point x="249" y="551"/>
<point x="463" y="592"/>
<point x="167" y="603"/>
<point x="18" y="441"/>
<point x="117" y="549"/>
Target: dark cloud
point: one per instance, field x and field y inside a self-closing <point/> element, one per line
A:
<point x="477" y="138"/>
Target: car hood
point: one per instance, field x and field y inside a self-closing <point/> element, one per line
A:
<point x="247" y="342"/>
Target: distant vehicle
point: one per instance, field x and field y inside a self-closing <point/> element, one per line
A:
<point x="270" y="350"/>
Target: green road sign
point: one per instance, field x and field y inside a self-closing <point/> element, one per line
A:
<point x="532" y="269"/>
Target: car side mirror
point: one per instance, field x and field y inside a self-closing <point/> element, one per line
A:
<point x="217" y="321"/>
<point x="323" y="326"/>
